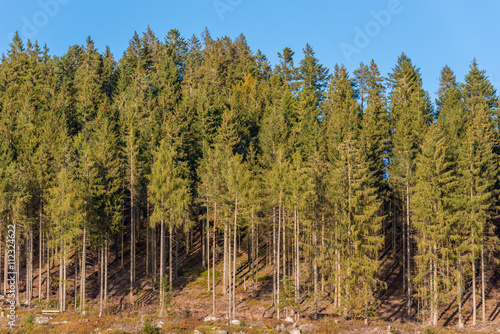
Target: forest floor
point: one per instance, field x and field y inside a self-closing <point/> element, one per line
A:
<point x="191" y="302"/>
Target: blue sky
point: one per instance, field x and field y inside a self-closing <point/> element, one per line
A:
<point x="431" y="33"/>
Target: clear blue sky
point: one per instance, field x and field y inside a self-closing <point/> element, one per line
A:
<point x="431" y="33"/>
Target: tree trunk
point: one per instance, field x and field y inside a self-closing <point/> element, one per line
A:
<point x="474" y="305"/>
<point x="234" y="256"/>
<point x="18" y="302"/>
<point x="75" y="296"/>
<point x="252" y="252"/>
<point x="106" y="251"/>
<point x="315" y="271"/>
<point x="408" y="255"/>
<point x="213" y="261"/>
<point x="225" y="279"/>
<point x="40" y="249"/>
<point x="5" y="267"/>
<point x="208" y="250"/>
<point x="64" y="277"/>
<point x="278" y="262"/>
<point x="48" y="271"/>
<point x="459" y="293"/>
<point x="147" y="234"/>
<point x="297" y="270"/>
<point x="162" y="266"/>
<point x="483" y="295"/>
<point x="153" y="257"/>
<point x="132" y="226"/>
<point x="275" y="276"/>
<point x="435" y="288"/>
<point x="101" y="280"/>
<point x="60" y="282"/>
<point x="83" y="271"/>
<point x="176" y="262"/>
<point x="170" y="258"/>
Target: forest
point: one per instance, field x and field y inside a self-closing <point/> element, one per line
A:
<point x="316" y="174"/>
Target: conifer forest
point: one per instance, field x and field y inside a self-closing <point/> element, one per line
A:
<point x="313" y="191"/>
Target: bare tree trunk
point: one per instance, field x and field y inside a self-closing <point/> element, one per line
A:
<point x="76" y="278"/>
<point x="29" y="266"/>
<point x="101" y="280"/>
<point x="278" y="262"/>
<point x="408" y="249"/>
<point x="83" y="271"/>
<point x="176" y="240"/>
<point x="253" y="255"/>
<point x="483" y="294"/>
<point x="224" y="274"/>
<point x="204" y="245"/>
<point x="323" y="251"/>
<point x="64" y="277"/>
<point x="474" y="305"/>
<point x="435" y="307"/>
<point x="153" y="257"/>
<point x="147" y="234"/>
<point x="1" y="277"/>
<point x="275" y="276"/>
<point x="40" y="248"/>
<point x="170" y="258"/>
<point x="5" y="268"/>
<point x="297" y="271"/>
<point x="208" y="250"/>
<point x="459" y="293"/>
<point x="315" y="271"/>
<point x="18" y="302"/>
<point x="106" y="251"/>
<point x="61" y="282"/>
<point x="228" y="275"/>
<point x="234" y="257"/>
<point x="48" y="271"/>
<point x="213" y="261"/>
<point x="132" y="226"/>
<point x="162" y="266"/>
<point x="336" y="268"/>
<point x="283" y="226"/>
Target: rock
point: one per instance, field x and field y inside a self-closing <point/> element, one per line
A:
<point x="197" y="332"/>
<point x="305" y="328"/>
<point x="294" y="331"/>
<point x="288" y="319"/>
<point x="235" y="322"/>
<point x="336" y="321"/>
<point x="41" y="321"/>
<point x="277" y="329"/>
<point x="210" y="318"/>
<point x="221" y="331"/>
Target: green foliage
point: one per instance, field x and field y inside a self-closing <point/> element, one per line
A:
<point x="148" y="328"/>
<point x="202" y="131"/>
<point x="30" y="318"/>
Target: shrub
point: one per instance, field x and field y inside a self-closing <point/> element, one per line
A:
<point x="148" y="328"/>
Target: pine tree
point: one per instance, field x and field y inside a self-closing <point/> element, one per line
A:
<point x="478" y="173"/>
<point x="433" y="212"/>
<point x="170" y="196"/>
<point x="411" y="113"/>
